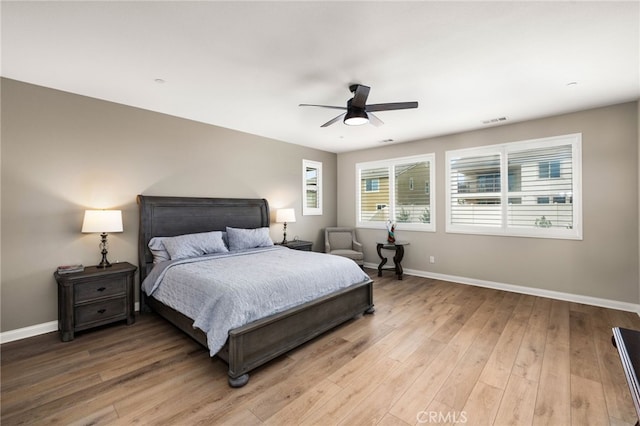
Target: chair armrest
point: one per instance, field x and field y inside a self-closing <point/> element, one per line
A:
<point x="327" y="248"/>
<point x="357" y="246"/>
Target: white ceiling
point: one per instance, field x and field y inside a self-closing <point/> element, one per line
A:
<point x="247" y="65"/>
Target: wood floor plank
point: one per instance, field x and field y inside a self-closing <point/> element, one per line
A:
<point x="499" y="365"/>
<point x="441" y="414"/>
<point x="482" y="405"/>
<point x="107" y="415"/>
<point x="554" y="407"/>
<point x="311" y="400"/>
<point x="518" y="402"/>
<point x="344" y="402"/>
<point x="391" y="420"/>
<point x="354" y="367"/>
<point x="588" y="406"/>
<point x="373" y="409"/>
<point x="489" y="323"/>
<point x="529" y="359"/>
<point x="433" y="353"/>
<point x="584" y="360"/>
<point x="421" y="392"/>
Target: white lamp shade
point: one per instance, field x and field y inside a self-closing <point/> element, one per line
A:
<point x="102" y="221"/>
<point x="285" y="215"/>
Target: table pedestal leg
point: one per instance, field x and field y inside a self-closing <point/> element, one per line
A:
<point x="383" y="259"/>
<point x="397" y="259"/>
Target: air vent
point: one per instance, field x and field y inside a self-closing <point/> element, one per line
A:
<point x="494" y="120"/>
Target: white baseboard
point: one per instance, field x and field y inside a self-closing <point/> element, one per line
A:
<point x="34" y="330"/>
<point x="551" y="294"/>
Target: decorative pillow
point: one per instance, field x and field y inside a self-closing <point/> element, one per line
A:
<point x="160" y="254"/>
<point x="241" y="239"/>
<point x="192" y="245"/>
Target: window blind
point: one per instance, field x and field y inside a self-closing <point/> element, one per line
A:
<point x="528" y="188"/>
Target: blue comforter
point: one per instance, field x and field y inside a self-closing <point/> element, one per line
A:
<point x="224" y="291"/>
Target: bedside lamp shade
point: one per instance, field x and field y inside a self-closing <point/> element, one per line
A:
<point x="102" y="221"/>
<point x="284" y="216"/>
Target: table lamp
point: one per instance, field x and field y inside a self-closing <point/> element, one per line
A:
<point x="284" y="216"/>
<point x="102" y="221"/>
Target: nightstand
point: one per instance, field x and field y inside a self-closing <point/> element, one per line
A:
<point x="298" y="245"/>
<point x="94" y="297"/>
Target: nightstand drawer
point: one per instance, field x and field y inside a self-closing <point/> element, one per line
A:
<point x="106" y="310"/>
<point x="99" y="288"/>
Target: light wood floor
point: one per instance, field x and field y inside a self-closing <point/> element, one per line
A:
<point x="434" y="352"/>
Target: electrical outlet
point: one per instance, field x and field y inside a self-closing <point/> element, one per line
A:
<point x="432" y="259"/>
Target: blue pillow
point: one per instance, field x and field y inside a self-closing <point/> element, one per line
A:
<point x="160" y="253"/>
<point x="193" y="245"/>
<point x="242" y="239"/>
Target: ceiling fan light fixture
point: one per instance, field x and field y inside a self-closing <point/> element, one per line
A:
<point x="356" y="118"/>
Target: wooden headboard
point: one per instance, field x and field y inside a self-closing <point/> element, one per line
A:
<point x="171" y="216"/>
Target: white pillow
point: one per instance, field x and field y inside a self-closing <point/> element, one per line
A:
<point x="241" y="239"/>
<point x="193" y="245"/>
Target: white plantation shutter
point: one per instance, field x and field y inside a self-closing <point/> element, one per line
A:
<point x="530" y="188"/>
<point x="475" y="190"/>
<point x="543" y="196"/>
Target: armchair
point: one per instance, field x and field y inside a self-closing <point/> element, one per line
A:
<point x="342" y="242"/>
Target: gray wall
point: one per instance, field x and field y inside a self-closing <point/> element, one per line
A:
<point x="63" y="153"/>
<point x="605" y="264"/>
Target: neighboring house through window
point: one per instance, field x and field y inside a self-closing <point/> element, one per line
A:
<point x="386" y="191"/>
<point x="372" y="185"/>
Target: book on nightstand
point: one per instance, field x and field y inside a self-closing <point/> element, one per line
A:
<point x="69" y="269"/>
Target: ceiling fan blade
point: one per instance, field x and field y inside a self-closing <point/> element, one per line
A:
<point x="360" y="96"/>
<point x="374" y="120"/>
<point x="333" y="120"/>
<point x="391" y="106"/>
<point x="324" y="106"/>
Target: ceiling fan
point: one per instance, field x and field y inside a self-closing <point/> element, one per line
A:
<point x="357" y="111"/>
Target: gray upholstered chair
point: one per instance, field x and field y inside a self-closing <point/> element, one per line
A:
<point x="342" y="242"/>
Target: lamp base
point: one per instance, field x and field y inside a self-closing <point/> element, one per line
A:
<point x="104" y="263"/>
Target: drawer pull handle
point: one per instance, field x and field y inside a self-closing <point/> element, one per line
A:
<point x="102" y="311"/>
<point x="102" y="289"/>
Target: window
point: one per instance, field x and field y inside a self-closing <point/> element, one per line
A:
<point x="372" y="185"/>
<point x="530" y="188"/>
<point x="385" y="190"/>
<point x="311" y="188"/>
<point x="549" y="169"/>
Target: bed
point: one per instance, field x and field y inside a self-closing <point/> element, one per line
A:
<point x="250" y="345"/>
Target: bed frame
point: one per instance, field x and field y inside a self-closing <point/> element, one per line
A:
<point x="256" y="343"/>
